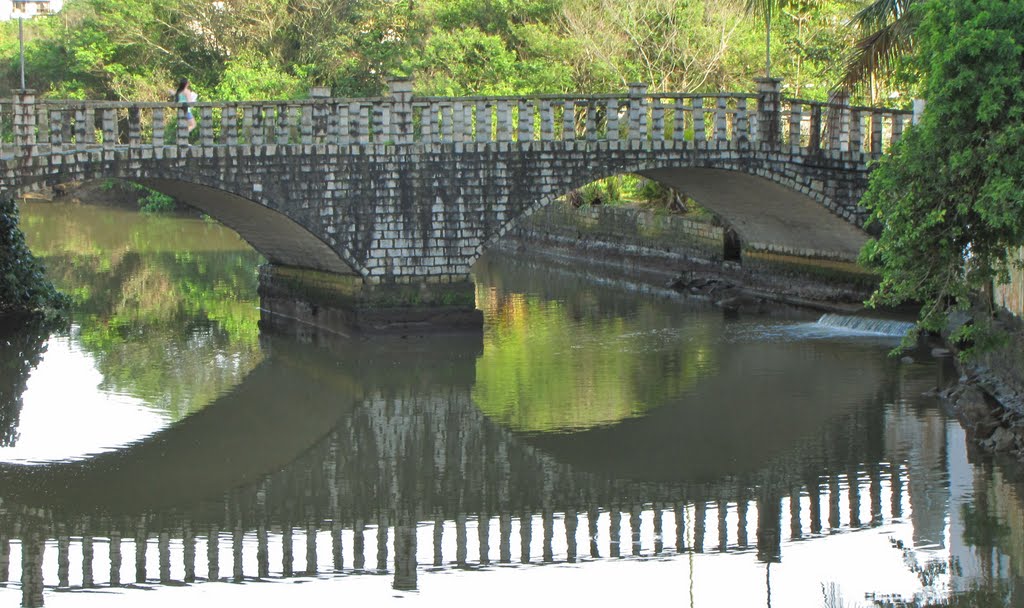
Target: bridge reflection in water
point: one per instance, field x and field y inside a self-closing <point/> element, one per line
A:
<point x="413" y="475"/>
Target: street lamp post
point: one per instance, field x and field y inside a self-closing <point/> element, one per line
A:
<point x="23" y="5"/>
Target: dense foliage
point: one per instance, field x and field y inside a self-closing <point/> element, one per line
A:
<point x="24" y="288"/>
<point x="950" y="200"/>
<point x="272" y="49"/>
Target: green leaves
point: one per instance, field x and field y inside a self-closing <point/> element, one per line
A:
<point x="24" y="288"/>
<point x="950" y="199"/>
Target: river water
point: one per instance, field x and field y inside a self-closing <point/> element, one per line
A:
<point x="595" y="445"/>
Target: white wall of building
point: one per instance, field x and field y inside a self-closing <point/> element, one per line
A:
<point x="12" y="9"/>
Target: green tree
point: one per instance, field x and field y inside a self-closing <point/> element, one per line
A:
<point x="887" y="31"/>
<point x="24" y="288"/>
<point x="950" y="199"/>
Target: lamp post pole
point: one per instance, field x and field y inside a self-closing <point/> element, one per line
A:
<point x="21" y="50"/>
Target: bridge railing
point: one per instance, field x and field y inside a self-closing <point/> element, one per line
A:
<point x="813" y="125"/>
<point x="703" y="120"/>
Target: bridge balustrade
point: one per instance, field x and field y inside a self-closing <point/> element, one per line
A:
<point x="636" y="117"/>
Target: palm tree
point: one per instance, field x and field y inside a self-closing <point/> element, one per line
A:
<point x="766" y="8"/>
<point x="888" y="28"/>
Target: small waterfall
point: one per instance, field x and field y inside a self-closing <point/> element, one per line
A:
<point x="868" y="325"/>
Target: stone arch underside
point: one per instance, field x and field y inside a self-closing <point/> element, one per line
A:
<point x="762" y="211"/>
<point x="280" y="239"/>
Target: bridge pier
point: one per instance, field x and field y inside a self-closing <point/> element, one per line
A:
<point x="345" y="303"/>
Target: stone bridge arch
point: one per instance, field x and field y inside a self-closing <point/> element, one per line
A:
<point x="381" y="206"/>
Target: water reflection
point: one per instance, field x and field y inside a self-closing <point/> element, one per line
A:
<point x="637" y="447"/>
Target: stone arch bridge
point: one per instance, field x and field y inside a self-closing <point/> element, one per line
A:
<point x="374" y="210"/>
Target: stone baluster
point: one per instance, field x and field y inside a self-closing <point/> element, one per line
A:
<point x="358" y="544"/>
<point x="438" y="537"/>
<point x="63" y="558"/>
<point x="79" y="131"/>
<point x="188" y="549"/>
<point x="896" y="491"/>
<point x="135" y="126"/>
<point x="382" y="543"/>
<point x="109" y="121"/>
<point x="504" y="121"/>
<point x="856" y="132"/>
<point x="483" y="529"/>
<point x="525" y="121"/>
<point x="311" y="558"/>
<point x="637" y="111"/>
<point x="90" y="125"/>
<point x="796" y="119"/>
<point x="505" y="538"/>
<point x="548" y="522"/>
<point x="742" y="540"/>
<point x="206" y="126"/>
<point x="769" y="529"/>
<point x="114" y="554"/>
<point x="67" y="125"/>
<point x="699" y="136"/>
<point x="769" y="106"/>
<point x="482" y="124"/>
<point x="251" y="125"/>
<point x="140" y="551"/>
<point x="814" y="498"/>
<point x="679" y="511"/>
<point x="547" y="121"/>
<point x="163" y="544"/>
<point x="467" y="122"/>
<point x="721" y="119"/>
<point x="229" y="125"/>
<point x="833" y="502"/>
<point x="795" y="524"/>
<point x="287" y="554"/>
<point x="699" y="525"/>
<point x="658" y="119"/>
<point x="344" y="120"/>
<point x="262" y="551"/>
<point x="591" y="121"/>
<point x="571" y="525"/>
<point x="459" y="126"/>
<point x="634" y="529"/>
<point x="306" y="123"/>
<point x="428" y="115"/>
<point x="405" y="557"/>
<point x="815" y="127"/>
<point x="25" y="118"/>
<point x="5" y="556"/>
<point x="364" y="126"/>
<point x="897" y="129"/>
<point x="876" y="133"/>
<point x="741" y="128"/>
<point x="723" y="528"/>
<point x="33" y="545"/>
<point x="282" y="127"/>
<point x="56" y="130"/>
<point x="875" y="475"/>
<point x="213" y="554"/>
<point x="87" y="558"/>
<point x="237" y="536"/>
<point x="525" y="537"/>
<point x="337" y="556"/>
<point x="612" y="120"/>
<point x="659" y="541"/>
<point x="182" y="130"/>
<point x="614" y="531"/>
<point x="592" y="517"/>
<point x="569" y="121"/>
<point x="334" y="123"/>
<point x="461" y="542"/>
<point x="853" y="490"/>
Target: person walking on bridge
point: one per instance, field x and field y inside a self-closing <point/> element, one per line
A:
<point x="185" y="95"/>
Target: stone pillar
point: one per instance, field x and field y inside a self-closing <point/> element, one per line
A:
<point x="769" y="107"/>
<point x="25" y="118"/>
<point x="400" y="90"/>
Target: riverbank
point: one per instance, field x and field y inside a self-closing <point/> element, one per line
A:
<point x="701" y="259"/>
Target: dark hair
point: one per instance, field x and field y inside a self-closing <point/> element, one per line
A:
<point x="181" y="85"/>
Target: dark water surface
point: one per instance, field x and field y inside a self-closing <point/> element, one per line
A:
<point x="594" y="446"/>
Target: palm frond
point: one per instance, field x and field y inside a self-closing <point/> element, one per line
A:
<point x="879" y="51"/>
<point x="880" y="13"/>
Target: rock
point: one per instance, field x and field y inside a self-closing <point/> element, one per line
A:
<point x="972" y="405"/>
<point x="1003" y="440"/>
<point x="940" y="352"/>
<point x="983" y="429"/>
<point x="907" y="360"/>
